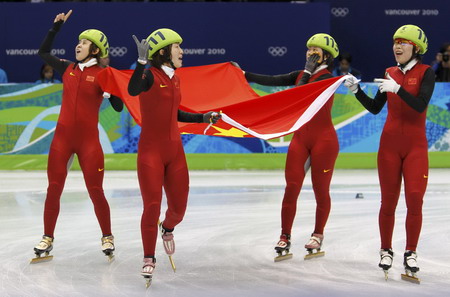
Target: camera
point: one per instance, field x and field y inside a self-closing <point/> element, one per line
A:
<point x="445" y="57"/>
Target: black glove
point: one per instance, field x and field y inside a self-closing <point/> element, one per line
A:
<point x="311" y="63"/>
<point x="235" y="64"/>
<point x="211" y="117"/>
<point x="57" y="25"/>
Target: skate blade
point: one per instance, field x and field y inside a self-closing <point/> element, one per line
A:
<point x="41" y="259"/>
<point x="411" y="279"/>
<point x="283" y="257"/>
<point x="386" y="274"/>
<point x="173" y="264"/>
<point x="111" y="258"/>
<point x="148" y="280"/>
<point x="314" y="255"/>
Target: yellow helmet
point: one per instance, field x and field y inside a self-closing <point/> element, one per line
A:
<point x="414" y="34"/>
<point x="325" y="42"/>
<point x="98" y="38"/>
<point x="161" y="38"/>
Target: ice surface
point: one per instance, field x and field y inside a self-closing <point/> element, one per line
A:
<point x="225" y="243"/>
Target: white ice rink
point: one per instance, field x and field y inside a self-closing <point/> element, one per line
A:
<point x="225" y="243"/>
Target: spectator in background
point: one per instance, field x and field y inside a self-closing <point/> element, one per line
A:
<point x="442" y="64"/>
<point x="345" y="61"/>
<point x="47" y="75"/>
<point x="3" y="77"/>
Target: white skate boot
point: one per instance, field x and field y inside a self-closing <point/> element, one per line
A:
<point x="411" y="268"/>
<point x="313" y="246"/>
<point x="108" y="247"/>
<point x="44" y="246"/>
<point x="386" y="258"/>
<point x="169" y="243"/>
<point x="282" y="248"/>
<point x="147" y="270"/>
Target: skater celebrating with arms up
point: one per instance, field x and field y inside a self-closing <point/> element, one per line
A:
<point x="77" y="131"/>
<point x="403" y="150"/>
<point x="161" y="159"/>
<point x="314" y="145"/>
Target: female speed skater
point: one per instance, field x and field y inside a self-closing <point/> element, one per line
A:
<point x="407" y="88"/>
<point x="315" y="146"/>
<point x="77" y="132"/>
<point x="161" y="159"/>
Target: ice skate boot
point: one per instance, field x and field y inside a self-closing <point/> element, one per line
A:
<point x="169" y="243"/>
<point x="411" y="268"/>
<point x="108" y="247"/>
<point x="282" y="248"/>
<point x="147" y="270"/>
<point x="386" y="258"/>
<point x="313" y="246"/>
<point x="44" y="246"/>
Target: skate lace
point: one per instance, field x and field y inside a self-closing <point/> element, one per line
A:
<point x="411" y="261"/>
<point x="314" y="241"/>
<point x="45" y="243"/>
<point x="149" y="265"/>
<point x="108" y="242"/>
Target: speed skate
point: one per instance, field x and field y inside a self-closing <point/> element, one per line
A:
<point x="282" y="248"/>
<point x="313" y="246"/>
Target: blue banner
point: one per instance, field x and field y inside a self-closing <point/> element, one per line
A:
<point x="262" y="37"/>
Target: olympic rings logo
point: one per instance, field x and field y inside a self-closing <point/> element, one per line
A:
<point x="118" y="51"/>
<point x="340" y="11"/>
<point x="277" y="51"/>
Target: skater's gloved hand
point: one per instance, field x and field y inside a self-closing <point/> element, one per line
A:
<point x="237" y="66"/>
<point x="142" y="48"/>
<point x="388" y="84"/>
<point x="211" y="117"/>
<point x="352" y="83"/>
<point x="311" y="63"/>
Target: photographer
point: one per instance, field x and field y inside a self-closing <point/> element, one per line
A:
<point x="443" y="67"/>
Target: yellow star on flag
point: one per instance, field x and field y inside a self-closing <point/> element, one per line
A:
<point x="233" y="132"/>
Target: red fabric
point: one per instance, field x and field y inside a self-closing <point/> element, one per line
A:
<point x="223" y="87"/>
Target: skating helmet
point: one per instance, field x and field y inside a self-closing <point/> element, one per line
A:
<point x="325" y="42"/>
<point x="414" y="34"/>
<point x="161" y="38"/>
<point x="98" y="38"/>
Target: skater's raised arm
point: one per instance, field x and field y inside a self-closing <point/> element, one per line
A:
<point x="45" y="49"/>
<point x="141" y="81"/>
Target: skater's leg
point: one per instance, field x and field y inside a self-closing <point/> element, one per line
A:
<point x="151" y="176"/>
<point x="58" y="160"/>
<point x="297" y="163"/>
<point x="176" y="186"/>
<point x="323" y="158"/>
<point x="390" y="176"/>
<point x="415" y="171"/>
<point x="91" y="161"/>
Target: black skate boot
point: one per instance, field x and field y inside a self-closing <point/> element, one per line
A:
<point x="386" y="258"/>
<point x="411" y="268"/>
<point x="282" y="248"/>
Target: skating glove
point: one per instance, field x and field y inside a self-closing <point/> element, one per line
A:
<point x="352" y="83"/>
<point x="211" y="117"/>
<point x="235" y="64"/>
<point x="311" y="63"/>
<point x="388" y="84"/>
<point x="142" y="48"/>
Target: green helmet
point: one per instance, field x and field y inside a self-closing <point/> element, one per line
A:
<point x="161" y="38"/>
<point x="414" y="34"/>
<point x="98" y="38"/>
<point x="325" y="42"/>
